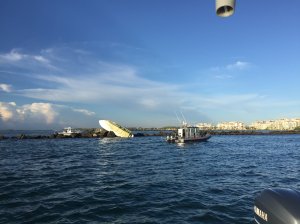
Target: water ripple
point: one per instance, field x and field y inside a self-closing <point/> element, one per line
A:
<point x="142" y="180"/>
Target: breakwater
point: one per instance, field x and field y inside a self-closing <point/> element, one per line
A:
<point x="100" y="133"/>
<point x="86" y="133"/>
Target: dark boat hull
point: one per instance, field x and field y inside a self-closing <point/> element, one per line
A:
<point x="185" y="140"/>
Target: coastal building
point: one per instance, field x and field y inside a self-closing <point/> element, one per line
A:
<point x="280" y="124"/>
<point x="262" y="125"/>
<point x="205" y="126"/>
<point x="232" y="125"/>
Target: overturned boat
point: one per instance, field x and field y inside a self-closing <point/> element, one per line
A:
<point x="116" y="128"/>
<point x="188" y="134"/>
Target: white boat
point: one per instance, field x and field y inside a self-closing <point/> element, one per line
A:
<point x="69" y="131"/>
<point x="117" y="129"/>
<point x="188" y="134"/>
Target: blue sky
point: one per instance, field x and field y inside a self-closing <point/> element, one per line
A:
<point x="137" y="62"/>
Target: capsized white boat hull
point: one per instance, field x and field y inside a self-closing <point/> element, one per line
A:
<point x="117" y="129"/>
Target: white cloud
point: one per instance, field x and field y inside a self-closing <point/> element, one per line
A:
<point x="228" y="71"/>
<point x="26" y="61"/>
<point x="116" y="84"/>
<point x="120" y="89"/>
<point x="224" y="76"/>
<point x="6" y="111"/>
<point x="238" y="65"/>
<point x="44" y="112"/>
<point x="5" y="87"/>
<point x="13" y="56"/>
<point x="40" y="59"/>
<point x="40" y="111"/>
<point x="84" y="111"/>
<point x="94" y="81"/>
<point x="149" y="103"/>
<point x="40" y="115"/>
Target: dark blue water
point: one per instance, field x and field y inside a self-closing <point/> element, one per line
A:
<point x="142" y="180"/>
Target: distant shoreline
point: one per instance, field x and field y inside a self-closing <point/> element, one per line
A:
<point x="91" y="133"/>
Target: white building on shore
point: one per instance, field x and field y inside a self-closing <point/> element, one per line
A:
<point x="205" y="126"/>
<point x="280" y="124"/>
<point x="232" y="125"/>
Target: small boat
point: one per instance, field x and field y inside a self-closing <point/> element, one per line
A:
<point x="69" y="131"/>
<point x="188" y="134"/>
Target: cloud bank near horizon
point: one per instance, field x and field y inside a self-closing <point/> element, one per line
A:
<point x="59" y="77"/>
<point x="42" y="115"/>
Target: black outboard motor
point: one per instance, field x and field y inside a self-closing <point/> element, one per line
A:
<point x="277" y="206"/>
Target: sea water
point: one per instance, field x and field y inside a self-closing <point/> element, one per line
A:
<point x="142" y="180"/>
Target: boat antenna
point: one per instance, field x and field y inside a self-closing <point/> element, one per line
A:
<point x="177" y="118"/>
<point x="183" y="117"/>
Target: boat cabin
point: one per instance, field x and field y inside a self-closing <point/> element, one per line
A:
<point x="189" y="132"/>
